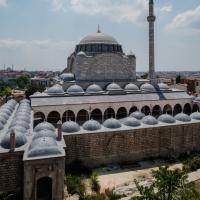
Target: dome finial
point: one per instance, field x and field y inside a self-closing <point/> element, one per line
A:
<point x="98" y="29"/>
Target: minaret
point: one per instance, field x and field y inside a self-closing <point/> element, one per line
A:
<point x="151" y="19"/>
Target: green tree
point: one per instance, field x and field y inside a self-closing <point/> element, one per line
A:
<point x="178" y="79"/>
<point x="22" y="82"/>
<point x="6" y="92"/>
<point x="168" y="185"/>
<point x="145" y="76"/>
<point x="32" y="88"/>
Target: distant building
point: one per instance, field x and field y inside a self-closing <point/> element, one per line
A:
<point x="40" y="81"/>
<point x="193" y="84"/>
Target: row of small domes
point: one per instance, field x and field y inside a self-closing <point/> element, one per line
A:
<point x="132" y="121"/>
<point x="20" y="124"/>
<point x="95" y="89"/>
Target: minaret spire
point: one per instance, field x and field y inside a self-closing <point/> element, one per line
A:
<point x="151" y="19"/>
<point x="98" y="29"/>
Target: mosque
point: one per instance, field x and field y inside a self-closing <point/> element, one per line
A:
<point x="98" y="113"/>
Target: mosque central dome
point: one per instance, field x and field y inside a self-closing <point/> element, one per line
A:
<point x="98" y="43"/>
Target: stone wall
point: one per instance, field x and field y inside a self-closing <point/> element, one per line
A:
<point x="11" y="172"/>
<point x="127" y="146"/>
<point x="106" y="66"/>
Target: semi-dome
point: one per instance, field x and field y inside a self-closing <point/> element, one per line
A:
<point x="138" y="115"/>
<point x="44" y="126"/>
<point x="165" y="118"/>
<point x="113" y="87"/>
<point x="91" y="125"/>
<point x="43" y="146"/>
<point x="94" y="89"/>
<point x="55" y="90"/>
<point x="67" y="76"/>
<point x="70" y="127"/>
<point x="163" y="86"/>
<point x="1" y="126"/>
<point x="75" y="89"/>
<point x="20" y="140"/>
<point x="112" y="123"/>
<point x="131" y="121"/>
<point x="44" y="133"/>
<point x="149" y="120"/>
<point x="195" y="115"/>
<point x="146" y="87"/>
<point x="98" y="38"/>
<point x="131" y="87"/>
<point x="182" y="117"/>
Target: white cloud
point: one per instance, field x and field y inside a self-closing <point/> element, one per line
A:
<point x="188" y="21"/>
<point x="3" y="3"/>
<point x="132" y="11"/>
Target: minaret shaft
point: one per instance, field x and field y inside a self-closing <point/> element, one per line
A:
<point x="151" y="19"/>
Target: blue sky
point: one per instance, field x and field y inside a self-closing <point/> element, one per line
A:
<point x="40" y="34"/>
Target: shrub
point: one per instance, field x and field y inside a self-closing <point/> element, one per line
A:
<point x="75" y="185"/>
<point x="111" y="195"/>
<point x="191" y="164"/>
<point x="94" y="183"/>
<point x="4" y="196"/>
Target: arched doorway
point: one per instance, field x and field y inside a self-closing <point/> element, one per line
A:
<point x="109" y="113"/>
<point x="38" y="118"/>
<point x="121" y="113"/>
<point x="177" y="109"/>
<point x="96" y="114"/>
<point x="146" y="110"/>
<point x="156" y="112"/>
<point x="53" y="117"/>
<point x="133" y="109"/>
<point x="167" y="109"/>
<point x="195" y="108"/>
<point x="187" y="109"/>
<point x="44" y="189"/>
<point x="68" y="115"/>
<point x="82" y="117"/>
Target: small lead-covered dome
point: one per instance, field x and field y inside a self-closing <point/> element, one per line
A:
<point x="43" y="146"/>
<point x="195" y="115"/>
<point x="91" y="125"/>
<point x="81" y="53"/>
<point x="165" y="118"/>
<point x="146" y="87"/>
<point x="182" y="117"/>
<point x="94" y="89"/>
<point x="18" y="128"/>
<point x="25" y="101"/>
<point x="112" y="123"/>
<point x="19" y="123"/>
<point x="6" y="110"/>
<point x="75" y="90"/>
<point x="149" y="120"/>
<point x="131" y="87"/>
<point x="44" y="133"/>
<point x="163" y="86"/>
<point x="20" y="140"/>
<point x="113" y="87"/>
<point x="44" y="126"/>
<point x="131" y="121"/>
<point x="138" y="115"/>
<point x="3" y="120"/>
<point x="4" y="115"/>
<point x="67" y="77"/>
<point x="70" y="127"/>
<point x="55" y="90"/>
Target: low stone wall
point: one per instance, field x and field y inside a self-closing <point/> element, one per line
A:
<point x="127" y="146"/>
<point x="11" y="172"/>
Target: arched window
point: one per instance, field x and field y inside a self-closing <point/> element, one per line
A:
<point x="195" y="108"/>
<point x="96" y="114"/>
<point x="146" y="110"/>
<point x="53" y="117"/>
<point x="82" y="117"/>
<point x="121" y="113"/>
<point x="44" y="188"/>
<point x="38" y="118"/>
<point x="156" y="111"/>
<point x="177" y="109"/>
<point x="68" y="115"/>
<point x="109" y="113"/>
<point x="167" y="109"/>
<point x="133" y="109"/>
<point x="187" y="109"/>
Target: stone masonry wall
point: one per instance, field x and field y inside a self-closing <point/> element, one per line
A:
<point x="11" y="172"/>
<point x="104" y="67"/>
<point x="95" y="149"/>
